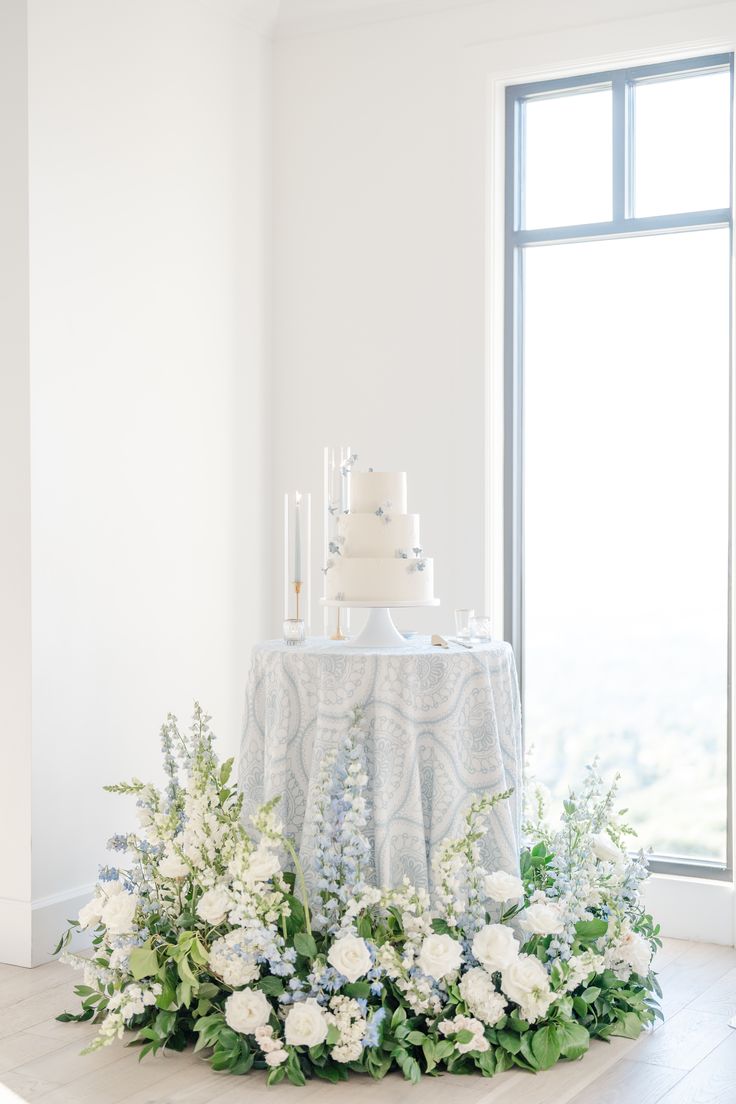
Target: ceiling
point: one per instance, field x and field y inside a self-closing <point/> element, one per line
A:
<point x="285" y="17"/>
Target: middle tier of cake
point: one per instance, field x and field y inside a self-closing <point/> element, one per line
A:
<point x="371" y="535"/>
<point x="375" y="578"/>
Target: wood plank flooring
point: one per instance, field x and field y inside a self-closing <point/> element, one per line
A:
<point x="690" y="1059"/>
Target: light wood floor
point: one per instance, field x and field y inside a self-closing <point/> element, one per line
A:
<point x="691" y="1059"/>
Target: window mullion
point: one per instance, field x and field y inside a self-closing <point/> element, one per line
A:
<point x="620" y="158"/>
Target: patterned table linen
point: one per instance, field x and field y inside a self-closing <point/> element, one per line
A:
<point x="443" y="726"/>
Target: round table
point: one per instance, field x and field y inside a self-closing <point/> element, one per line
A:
<point x="444" y="725"/>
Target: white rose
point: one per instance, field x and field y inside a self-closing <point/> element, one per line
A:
<point x="276" y="1057"/>
<point x="495" y="946"/>
<point x="350" y="957"/>
<point x="501" y="886"/>
<point x="305" y="1024"/>
<point x="91" y="913"/>
<point x="479" y="993"/>
<point x="440" y="956"/>
<point x="542" y="918"/>
<point x="637" y="952"/>
<point x="172" y="865"/>
<point x="262" y="865"/>
<point x="118" y="912"/>
<point x="605" y="849"/>
<point x="526" y="981"/>
<point x="247" y="1010"/>
<point x="214" y="905"/>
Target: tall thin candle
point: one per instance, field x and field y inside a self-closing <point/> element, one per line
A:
<point x="298" y="540"/>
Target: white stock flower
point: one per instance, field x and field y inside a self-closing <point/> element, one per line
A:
<point x="526" y="981"/>
<point x="350" y="957"/>
<point x="501" y="886"/>
<point x="214" y="905"/>
<point x="276" y="1057"/>
<point x="495" y="946"/>
<point x="605" y="849"/>
<point x="91" y="913"/>
<point x="440" y="956"/>
<point x="479" y="993"/>
<point x="247" y="1010"/>
<point x="262" y="864"/>
<point x="118" y="912"/>
<point x="542" y="918"/>
<point x="172" y="865"/>
<point x="305" y="1024"/>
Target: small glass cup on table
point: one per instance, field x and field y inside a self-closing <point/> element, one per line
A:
<point x="463" y="618"/>
<point x="294" y="631"/>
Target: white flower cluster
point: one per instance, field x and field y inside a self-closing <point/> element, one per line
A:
<point x="271" y="1046"/>
<point x="230" y="960"/>
<point x="629" y="953"/>
<point x="480" y="996"/>
<point x="478" y="1043"/>
<point x="110" y="906"/>
<point x="346" y="1016"/>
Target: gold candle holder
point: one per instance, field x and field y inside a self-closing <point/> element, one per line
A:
<point x="338" y="633"/>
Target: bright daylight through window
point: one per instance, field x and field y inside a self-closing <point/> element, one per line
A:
<point x="617" y="376"/>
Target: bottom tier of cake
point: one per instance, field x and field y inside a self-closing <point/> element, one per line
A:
<point x="364" y="579"/>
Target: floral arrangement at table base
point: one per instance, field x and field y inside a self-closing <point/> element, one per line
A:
<point x="206" y="937"/>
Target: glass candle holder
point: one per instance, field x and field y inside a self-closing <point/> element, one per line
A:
<point x="480" y="629"/>
<point x="294" y="631"/>
<point x="462" y="622"/>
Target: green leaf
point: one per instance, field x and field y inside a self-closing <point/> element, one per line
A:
<point x="591" y="929"/>
<point x="573" y="1039"/>
<point x="463" y="1036"/>
<point x="416" y="1038"/>
<point x="226" y="770"/>
<point x="333" y="1035"/>
<point x="304" y="944"/>
<point x="365" y="927"/>
<point x="510" y="1041"/>
<point x="546" y="1046"/>
<point x="486" y="1063"/>
<point x="270" y="985"/>
<point x="590" y="994"/>
<point x="398" y="1017"/>
<point x="143" y="961"/>
<point x="441" y="926"/>
<point x="357" y="989"/>
<point x="443" y="1049"/>
<point x="580" y="1006"/>
<point x="629" y="1025"/>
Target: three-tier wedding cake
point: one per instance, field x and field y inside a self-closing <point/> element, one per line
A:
<point x="377" y="556"/>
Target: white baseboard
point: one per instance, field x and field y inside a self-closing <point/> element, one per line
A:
<point x="699" y="909"/>
<point x="29" y="930"/>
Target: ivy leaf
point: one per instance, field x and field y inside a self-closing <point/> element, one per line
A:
<point x="574" y="1040"/>
<point x="143" y="961"/>
<point x="546" y="1046"/>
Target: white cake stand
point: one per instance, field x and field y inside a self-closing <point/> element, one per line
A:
<point x="379" y="630"/>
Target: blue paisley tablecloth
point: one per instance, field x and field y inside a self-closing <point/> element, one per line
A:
<point x="444" y="725"/>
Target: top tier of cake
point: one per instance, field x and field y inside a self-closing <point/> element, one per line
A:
<point x="371" y="491"/>
<point x="377" y="556"/>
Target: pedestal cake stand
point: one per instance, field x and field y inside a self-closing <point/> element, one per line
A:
<point x="379" y="630"/>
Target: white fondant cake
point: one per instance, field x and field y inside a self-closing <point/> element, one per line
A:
<point x="378" y="556"/>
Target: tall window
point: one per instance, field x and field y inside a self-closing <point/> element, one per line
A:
<point x="618" y="293"/>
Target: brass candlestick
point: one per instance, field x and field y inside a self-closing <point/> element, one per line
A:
<point x="338" y="633"/>
<point x="297" y="591"/>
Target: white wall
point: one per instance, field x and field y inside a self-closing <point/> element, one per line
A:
<point x="15" y="473"/>
<point x="147" y="163"/>
<point x="388" y="253"/>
